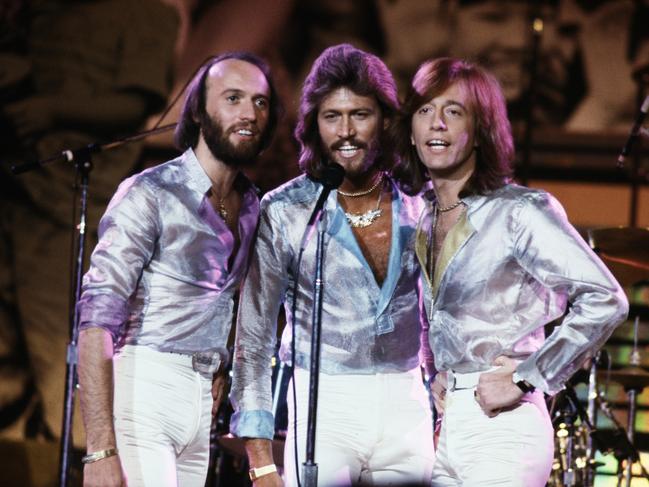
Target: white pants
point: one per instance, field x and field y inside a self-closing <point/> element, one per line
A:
<point x="374" y="429"/>
<point x="513" y="449"/>
<point x="163" y="412"/>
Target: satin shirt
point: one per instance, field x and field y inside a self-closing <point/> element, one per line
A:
<point x="366" y="328"/>
<point x="163" y="274"/>
<point x="510" y="265"/>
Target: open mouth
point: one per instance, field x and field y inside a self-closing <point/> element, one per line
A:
<point x="348" y="151"/>
<point x="245" y="132"/>
<point x="437" y="143"/>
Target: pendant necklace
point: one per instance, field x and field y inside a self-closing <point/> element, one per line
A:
<point x="362" y="220"/>
<point x="220" y="205"/>
<point x="223" y="211"/>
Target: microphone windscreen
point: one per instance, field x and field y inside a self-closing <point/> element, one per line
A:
<point x="332" y="176"/>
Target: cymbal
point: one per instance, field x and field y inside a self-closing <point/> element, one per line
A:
<point x="629" y="377"/>
<point x="625" y="251"/>
<point x="235" y="446"/>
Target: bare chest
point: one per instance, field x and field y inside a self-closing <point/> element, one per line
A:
<point x="374" y="241"/>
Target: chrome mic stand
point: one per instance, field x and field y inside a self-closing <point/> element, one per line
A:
<point x="82" y="160"/>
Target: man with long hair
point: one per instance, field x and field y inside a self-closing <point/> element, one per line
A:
<point x="499" y="261"/>
<point x="373" y="416"/>
<point x="156" y="308"/>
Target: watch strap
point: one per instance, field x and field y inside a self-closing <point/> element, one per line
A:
<point x="255" y="473"/>
<point x="522" y="384"/>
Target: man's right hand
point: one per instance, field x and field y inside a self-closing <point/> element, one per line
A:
<point x="438" y="389"/>
<point x="106" y="472"/>
<point x="270" y="480"/>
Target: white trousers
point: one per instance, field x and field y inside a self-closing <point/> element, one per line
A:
<point x="371" y="429"/>
<point x="163" y="412"/>
<point x="513" y="449"/>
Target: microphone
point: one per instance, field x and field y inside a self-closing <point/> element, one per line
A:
<point x="635" y="130"/>
<point x="332" y="177"/>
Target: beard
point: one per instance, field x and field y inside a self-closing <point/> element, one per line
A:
<point x="372" y="154"/>
<point x="217" y="140"/>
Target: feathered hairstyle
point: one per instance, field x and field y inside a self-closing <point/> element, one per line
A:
<point x="337" y="67"/>
<point x="495" y="151"/>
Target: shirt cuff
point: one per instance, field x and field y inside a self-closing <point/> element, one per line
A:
<point x="253" y="424"/>
<point x="103" y="311"/>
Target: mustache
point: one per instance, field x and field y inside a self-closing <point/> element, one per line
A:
<point x="354" y="142"/>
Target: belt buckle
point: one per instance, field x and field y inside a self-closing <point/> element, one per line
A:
<point x="451" y="381"/>
<point x="206" y="362"/>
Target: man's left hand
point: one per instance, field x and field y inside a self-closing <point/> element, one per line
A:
<point x="496" y="390"/>
<point x="218" y="388"/>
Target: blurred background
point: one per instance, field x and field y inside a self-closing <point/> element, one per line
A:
<point x="76" y="72"/>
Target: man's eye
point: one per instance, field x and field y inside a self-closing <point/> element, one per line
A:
<point x="232" y="98"/>
<point x="262" y="103"/>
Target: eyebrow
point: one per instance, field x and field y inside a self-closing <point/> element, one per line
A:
<point x="353" y="110"/>
<point x="236" y="91"/>
<point x="454" y="102"/>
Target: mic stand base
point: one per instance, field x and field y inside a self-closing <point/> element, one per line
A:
<point x="310" y="474"/>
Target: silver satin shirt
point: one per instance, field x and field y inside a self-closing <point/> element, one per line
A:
<point x="163" y="274"/>
<point x="366" y="328"/>
<point x="509" y="266"/>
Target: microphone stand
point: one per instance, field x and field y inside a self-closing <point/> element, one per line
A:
<point x="310" y="468"/>
<point x="82" y="160"/>
<point x="528" y="135"/>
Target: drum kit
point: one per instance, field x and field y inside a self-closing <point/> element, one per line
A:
<point x="577" y="438"/>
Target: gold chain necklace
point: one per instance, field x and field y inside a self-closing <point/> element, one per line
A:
<point x="449" y="208"/>
<point x="362" y="220"/>
<point x="363" y="193"/>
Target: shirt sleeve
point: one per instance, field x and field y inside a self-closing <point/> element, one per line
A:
<point x="554" y="254"/>
<point x="262" y="294"/>
<point x="127" y="238"/>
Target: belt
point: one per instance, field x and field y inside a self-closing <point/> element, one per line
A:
<point x="205" y="363"/>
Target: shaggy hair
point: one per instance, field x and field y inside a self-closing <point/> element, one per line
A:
<point x="495" y="151"/>
<point x="337" y="67"/>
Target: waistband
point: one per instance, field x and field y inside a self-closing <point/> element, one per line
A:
<point x="205" y="363"/>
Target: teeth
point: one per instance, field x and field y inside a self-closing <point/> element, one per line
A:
<point x="244" y="132"/>
<point x="349" y="147"/>
<point x="437" y="142"/>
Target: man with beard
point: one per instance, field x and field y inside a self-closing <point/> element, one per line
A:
<point x="373" y="416"/>
<point x="157" y="302"/>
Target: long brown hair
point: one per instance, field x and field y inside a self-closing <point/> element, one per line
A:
<point x="495" y="151"/>
<point x="342" y="66"/>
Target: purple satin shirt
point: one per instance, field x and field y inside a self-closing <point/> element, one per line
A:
<point x="163" y="274"/>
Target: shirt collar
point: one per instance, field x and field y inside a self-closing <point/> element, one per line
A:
<point x="198" y="179"/>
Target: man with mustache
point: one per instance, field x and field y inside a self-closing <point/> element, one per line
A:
<point x="373" y="416"/>
<point x="157" y="302"/>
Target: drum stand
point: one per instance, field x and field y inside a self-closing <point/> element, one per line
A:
<point x="637" y="380"/>
<point x="634" y="379"/>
